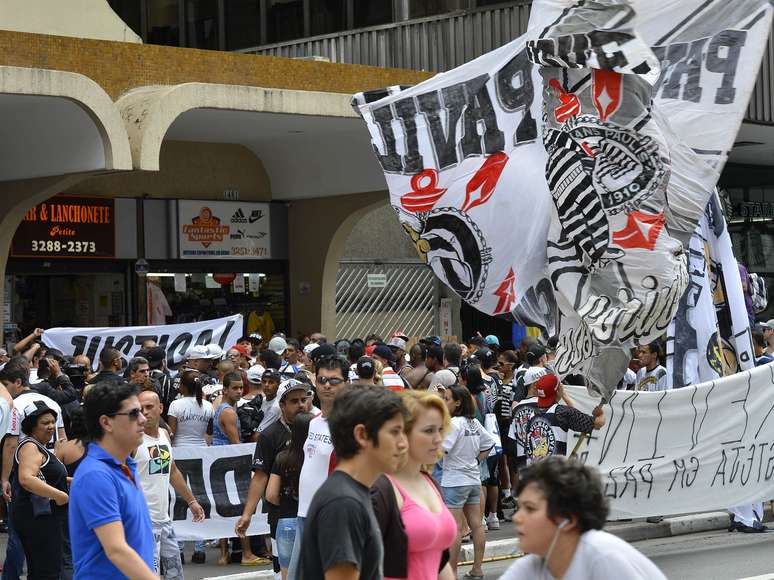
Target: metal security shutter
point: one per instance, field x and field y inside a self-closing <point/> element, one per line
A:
<point x="408" y="301"/>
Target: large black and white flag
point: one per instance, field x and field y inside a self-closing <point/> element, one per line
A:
<point x="557" y="178"/>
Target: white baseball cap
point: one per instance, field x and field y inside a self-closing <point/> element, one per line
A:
<point x="198" y="351"/>
<point x="215" y="351"/>
<point x="532" y="374"/>
<point x="255" y="373"/>
<point x="278" y="345"/>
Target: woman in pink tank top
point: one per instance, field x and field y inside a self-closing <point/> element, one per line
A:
<point x="417" y="527"/>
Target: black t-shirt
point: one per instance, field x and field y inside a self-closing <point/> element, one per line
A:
<point x="341" y="528"/>
<point x="288" y="507"/>
<point x="273" y="440"/>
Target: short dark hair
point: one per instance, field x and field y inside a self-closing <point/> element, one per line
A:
<point x="229" y="378"/>
<point x="371" y="407"/>
<point x="104" y="398"/>
<point x="356" y="350"/>
<point x="758" y="340"/>
<point x="435" y="352"/>
<point x="270" y="359"/>
<point x="570" y="488"/>
<point x="107" y="356"/>
<point x="294" y="343"/>
<point x="332" y="363"/>
<point x="452" y="352"/>
<point x="15" y="369"/>
<point x="136" y="362"/>
<point x="466" y="409"/>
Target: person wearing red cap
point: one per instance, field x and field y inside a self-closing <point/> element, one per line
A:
<point x="546" y="432"/>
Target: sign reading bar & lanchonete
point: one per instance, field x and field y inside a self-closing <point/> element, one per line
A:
<point x="223" y="230"/>
<point x="67" y="227"/>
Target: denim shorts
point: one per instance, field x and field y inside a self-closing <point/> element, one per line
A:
<point x="286" y="535"/>
<point x="461" y="495"/>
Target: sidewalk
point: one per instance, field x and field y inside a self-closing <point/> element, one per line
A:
<point x="502" y="544"/>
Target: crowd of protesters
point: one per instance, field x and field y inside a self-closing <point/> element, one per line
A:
<point x="374" y="458"/>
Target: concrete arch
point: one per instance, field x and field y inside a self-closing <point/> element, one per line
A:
<point x="83" y="132"/>
<point x="149" y="112"/>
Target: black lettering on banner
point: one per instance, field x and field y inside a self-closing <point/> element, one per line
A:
<point x="479" y="110"/>
<point x="162" y="342"/>
<point x="205" y="337"/>
<point x="241" y="466"/>
<point x="611" y="478"/>
<point x="725" y="50"/>
<point x="721" y="470"/>
<point x="79" y="344"/>
<point x="768" y="413"/>
<point x="609" y="60"/>
<point x="658" y="429"/>
<point x="181" y="344"/>
<point x="690" y="476"/>
<point x="743" y="401"/>
<point x="750" y="459"/>
<point x="193" y="474"/>
<point x="390" y="161"/>
<point x="761" y="446"/>
<point x="124" y="344"/>
<point x="628" y="477"/>
<point x="516" y="92"/>
<point x="226" y="331"/>
<point x="92" y="350"/>
<point x="444" y="141"/>
<point x="406" y="110"/>
<point x="649" y="481"/>
<point x="769" y="464"/>
<point x="685" y="64"/>
<point x="735" y="464"/>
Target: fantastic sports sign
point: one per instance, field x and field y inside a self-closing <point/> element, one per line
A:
<point x="224" y="230"/>
<point x="557" y="179"/>
<point x="699" y="448"/>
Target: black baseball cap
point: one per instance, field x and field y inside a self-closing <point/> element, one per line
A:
<point x="321" y="351"/>
<point x="366" y="367"/>
<point x="486" y="357"/>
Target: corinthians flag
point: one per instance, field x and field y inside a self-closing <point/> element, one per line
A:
<point x="558" y="179"/>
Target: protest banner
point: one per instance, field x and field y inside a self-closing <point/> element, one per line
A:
<point x="575" y="143"/>
<point x="174" y="338"/>
<point x="219" y="477"/>
<point x="700" y="448"/>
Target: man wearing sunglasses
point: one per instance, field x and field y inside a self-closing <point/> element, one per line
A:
<point x="110" y="527"/>
<point x="319" y="460"/>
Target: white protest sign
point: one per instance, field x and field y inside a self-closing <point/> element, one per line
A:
<point x="699" y="448"/>
<point x="219" y="477"/>
<point x="174" y="338"/>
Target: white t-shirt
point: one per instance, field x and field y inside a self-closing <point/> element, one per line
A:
<point x="599" y="556"/>
<point x="154" y="468"/>
<point x="14" y="425"/>
<point x="192" y="421"/>
<point x="318" y="462"/>
<point x="629" y="379"/>
<point x="466" y="439"/>
<point x="655" y="380"/>
<point x="271" y="412"/>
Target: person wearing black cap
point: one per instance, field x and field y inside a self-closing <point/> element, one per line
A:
<point x="366" y="371"/>
<point x="39" y="517"/>
<point x="157" y="361"/>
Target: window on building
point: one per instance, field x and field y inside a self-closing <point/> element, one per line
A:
<point x="129" y="12"/>
<point x="284" y="20"/>
<point x="201" y="21"/>
<point x="373" y="12"/>
<point x="164" y="22"/>
<point x="327" y="16"/>
<point x="420" y="8"/>
<point x="243" y="24"/>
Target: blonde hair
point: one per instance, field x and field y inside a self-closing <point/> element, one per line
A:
<point x="378" y="369"/>
<point x="418" y="401"/>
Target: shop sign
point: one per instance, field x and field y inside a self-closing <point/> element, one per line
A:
<point x="223" y="230"/>
<point x="376" y="280"/>
<point x="67" y="227"/>
<point x="752" y="209"/>
<point x="224" y="278"/>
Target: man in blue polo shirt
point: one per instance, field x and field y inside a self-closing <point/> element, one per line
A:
<point x="110" y="527"/>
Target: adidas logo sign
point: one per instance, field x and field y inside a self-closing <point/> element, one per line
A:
<point x="238" y="217"/>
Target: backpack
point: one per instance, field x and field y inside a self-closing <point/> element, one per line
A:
<point x="758" y="291"/>
<point x="250" y="417"/>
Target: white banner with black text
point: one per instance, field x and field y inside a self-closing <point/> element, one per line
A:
<point x="698" y="448"/>
<point x="219" y="477"/>
<point x="174" y="338"/>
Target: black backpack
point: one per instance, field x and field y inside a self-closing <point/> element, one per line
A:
<point x="250" y="417"/>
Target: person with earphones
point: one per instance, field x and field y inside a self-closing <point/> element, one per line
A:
<point x="562" y="509"/>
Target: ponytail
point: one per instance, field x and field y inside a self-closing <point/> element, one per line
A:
<point x="191" y="381"/>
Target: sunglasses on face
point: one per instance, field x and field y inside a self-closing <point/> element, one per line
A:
<point x="329" y="381"/>
<point x="133" y="415"/>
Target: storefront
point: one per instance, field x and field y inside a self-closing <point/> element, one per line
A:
<point x="76" y="261"/>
